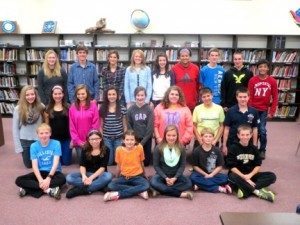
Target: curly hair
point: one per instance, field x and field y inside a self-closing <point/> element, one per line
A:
<point x="166" y="101"/>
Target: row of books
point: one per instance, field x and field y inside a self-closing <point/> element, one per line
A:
<point x="32" y="81"/>
<point x="35" y="55"/>
<point x="101" y="55"/>
<point x="253" y="56"/>
<point x="286" y="84"/>
<point x="285" y="71"/>
<point x="8" y="54"/>
<point x="66" y="66"/>
<point x="8" y="82"/>
<point x="7" y="108"/>
<point x="287" y="97"/>
<point x="225" y="55"/>
<point x="34" y="69"/>
<point x="9" y="94"/>
<point x="285" y="57"/>
<point x="68" y="54"/>
<point x="7" y="68"/>
<point x="279" y="41"/>
<point x="286" y="111"/>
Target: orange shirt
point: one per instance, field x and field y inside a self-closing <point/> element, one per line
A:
<point x="130" y="161"/>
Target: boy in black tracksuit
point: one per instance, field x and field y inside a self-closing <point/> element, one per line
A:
<point x="244" y="164"/>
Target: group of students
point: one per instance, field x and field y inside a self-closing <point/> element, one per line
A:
<point x="122" y="131"/>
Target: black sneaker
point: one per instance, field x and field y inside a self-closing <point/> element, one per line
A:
<point x="76" y="191"/>
<point x="55" y="193"/>
<point x="22" y="192"/>
<point x="262" y="155"/>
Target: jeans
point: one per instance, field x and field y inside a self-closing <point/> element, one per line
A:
<point x="261" y="180"/>
<point x="66" y="152"/>
<point x="112" y="144"/>
<point x="262" y="130"/>
<point x="209" y="184"/>
<point x="78" y="153"/>
<point x="26" y="152"/>
<point x="98" y="183"/>
<point x="31" y="185"/>
<point x="128" y="187"/>
<point x="182" y="184"/>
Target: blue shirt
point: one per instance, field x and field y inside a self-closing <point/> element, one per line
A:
<point x="45" y="155"/>
<point x="212" y="78"/>
<point x="83" y="75"/>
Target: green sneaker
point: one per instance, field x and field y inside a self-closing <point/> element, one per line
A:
<point x="265" y="194"/>
<point x="240" y="194"/>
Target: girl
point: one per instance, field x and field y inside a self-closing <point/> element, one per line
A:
<point x="84" y="116"/>
<point x="137" y="74"/>
<point x="113" y="121"/>
<point x="50" y="75"/>
<point x="27" y="116"/>
<point x="93" y="174"/>
<point x="169" y="163"/>
<point x="47" y="176"/>
<point x="113" y="74"/>
<point x="187" y="77"/>
<point x="173" y="111"/>
<point x="162" y="78"/>
<point x="130" y="170"/>
<point x="57" y="116"/>
<point x="140" y="119"/>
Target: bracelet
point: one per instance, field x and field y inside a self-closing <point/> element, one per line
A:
<point x="50" y="176"/>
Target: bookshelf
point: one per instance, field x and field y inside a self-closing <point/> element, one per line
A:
<point x="27" y="55"/>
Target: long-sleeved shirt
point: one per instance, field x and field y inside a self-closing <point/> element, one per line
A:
<point x="83" y="75"/>
<point x="115" y="79"/>
<point x="133" y="80"/>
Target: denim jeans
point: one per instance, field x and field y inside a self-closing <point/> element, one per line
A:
<point x="26" y="152"/>
<point x="66" y="152"/>
<point x="98" y="183"/>
<point x="182" y="184"/>
<point x="128" y="187"/>
<point x="209" y="184"/>
<point x="112" y="144"/>
<point x="262" y="130"/>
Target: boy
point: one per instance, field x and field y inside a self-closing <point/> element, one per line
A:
<point x="46" y="176"/>
<point x="208" y="114"/>
<point x="237" y="115"/>
<point x="83" y="72"/>
<point x="237" y="76"/>
<point x="212" y="74"/>
<point x="244" y="164"/>
<point x="263" y="90"/>
<point x="207" y="163"/>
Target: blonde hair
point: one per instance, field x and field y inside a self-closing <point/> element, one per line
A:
<point x="177" y="146"/>
<point x="132" y="64"/>
<point x="43" y="126"/>
<point x="56" y="72"/>
<point x="207" y="130"/>
<point x="24" y="106"/>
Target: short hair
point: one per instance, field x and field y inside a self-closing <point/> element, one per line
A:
<point x="242" y="90"/>
<point x="262" y="61"/>
<point x="238" y="53"/>
<point x="184" y="49"/>
<point x="138" y="89"/>
<point x="81" y="48"/>
<point x="43" y="126"/>
<point x="207" y="130"/>
<point x="205" y="90"/>
<point x="244" y="127"/>
<point x="213" y="50"/>
<point x="130" y="133"/>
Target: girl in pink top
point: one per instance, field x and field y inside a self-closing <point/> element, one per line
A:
<point x="84" y="116"/>
<point x="173" y="111"/>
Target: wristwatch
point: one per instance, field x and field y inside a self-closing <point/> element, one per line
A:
<point x="50" y="176"/>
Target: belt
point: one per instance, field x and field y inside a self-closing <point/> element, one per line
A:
<point x="114" y="137"/>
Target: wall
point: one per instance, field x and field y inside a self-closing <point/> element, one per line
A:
<point x="190" y="16"/>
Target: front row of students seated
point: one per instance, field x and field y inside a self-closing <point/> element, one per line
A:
<point x="169" y="161"/>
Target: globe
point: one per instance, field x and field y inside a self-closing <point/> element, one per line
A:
<point x="139" y="19"/>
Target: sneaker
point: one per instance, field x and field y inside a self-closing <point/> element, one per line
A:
<point x="144" y="195"/>
<point x="267" y="195"/>
<point x="195" y="187"/>
<point x="189" y="195"/>
<point x="225" y="189"/>
<point x="240" y="194"/>
<point x="111" y="196"/>
<point x="154" y="193"/>
<point x="262" y="155"/>
<point x="55" y="193"/>
<point x="76" y="191"/>
<point x="22" y="192"/>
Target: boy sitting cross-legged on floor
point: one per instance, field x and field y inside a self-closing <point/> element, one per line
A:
<point x="207" y="162"/>
<point x="244" y="163"/>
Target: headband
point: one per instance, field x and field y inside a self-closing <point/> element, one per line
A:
<point x="57" y="87"/>
<point x="185" y="50"/>
<point x="94" y="131"/>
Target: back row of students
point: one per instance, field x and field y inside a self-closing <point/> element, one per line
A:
<point x="169" y="164"/>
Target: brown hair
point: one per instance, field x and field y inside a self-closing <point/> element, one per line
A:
<point x="166" y="102"/>
<point x="177" y="146"/>
<point x="87" y="147"/>
<point x="88" y="98"/>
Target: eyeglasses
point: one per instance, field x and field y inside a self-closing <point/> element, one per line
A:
<point x="94" y="139"/>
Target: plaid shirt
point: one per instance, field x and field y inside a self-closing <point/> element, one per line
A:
<point x="115" y="79"/>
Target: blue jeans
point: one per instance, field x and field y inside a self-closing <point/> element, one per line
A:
<point x="182" y="184"/>
<point x="128" y="187"/>
<point x="26" y="152"/>
<point x="98" y="183"/>
<point x="262" y="130"/>
<point x="209" y="184"/>
<point x="66" y="152"/>
<point x="112" y="144"/>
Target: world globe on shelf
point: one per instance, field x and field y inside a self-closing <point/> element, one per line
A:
<point x="139" y="20"/>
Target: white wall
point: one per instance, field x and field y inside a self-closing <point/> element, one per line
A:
<point x="181" y="16"/>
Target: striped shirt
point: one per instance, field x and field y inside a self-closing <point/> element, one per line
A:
<point x="113" y="126"/>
